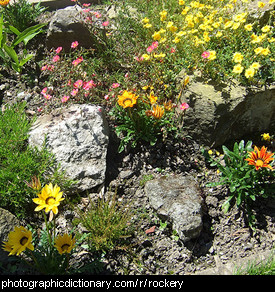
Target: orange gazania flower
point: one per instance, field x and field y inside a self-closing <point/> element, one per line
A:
<point x="157" y="112"/>
<point x="260" y="158"/>
<point x="127" y="99"/>
<point x="4" y="2"/>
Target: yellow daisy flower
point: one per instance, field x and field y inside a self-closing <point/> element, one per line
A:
<point x="49" y="198"/>
<point x="19" y="240"/>
<point x="64" y="243"/>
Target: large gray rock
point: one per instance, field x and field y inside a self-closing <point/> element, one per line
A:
<point x="7" y="223"/>
<point x="219" y="113"/>
<point x="67" y="25"/>
<point x="78" y="136"/>
<point x="177" y="199"/>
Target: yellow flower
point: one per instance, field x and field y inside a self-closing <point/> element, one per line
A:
<point x="163" y="15"/>
<point x="249" y="73"/>
<point x="127" y="99"/>
<point x="266" y="136"/>
<point x="19" y="240"/>
<point x="261" y="4"/>
<point x="156" y="36"/>
<point x="228" y="24"/>
<point x="238" y="69"/>
<point x="248" y="27"/>
<point x="145" y="20"/>
<point x="147" y="25"/>
<point x="265" y="51"/>
<point x="236" y="25"/>
<point x="218" y="34"/>
<point x="146" y="57"/>
<point x="212" y="55"/>
<point x="185" y="10"/>
<point x="161" y="55"/>
<point x="181" y="2"/>
<point x="153" y="98"/>
<point x="255" y="65"/>
<point x="64" y="244"/>
<point x="258" y="50"/>
<point x="49" y="198"/>
<point x="266" y="28"/>
<point x="237" y="57"/>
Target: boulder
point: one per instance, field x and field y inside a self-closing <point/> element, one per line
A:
<point x="78" y="137"/>
<point x="223" y="112"/>
<point x="66" y="26"/>
<point x="177" y="199"/>
<point x="7" y="223"/>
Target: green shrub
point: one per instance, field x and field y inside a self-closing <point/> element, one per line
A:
<point x="19" y="162"/>
<point x="107" y="224"/>
<point x="248" y="174"/>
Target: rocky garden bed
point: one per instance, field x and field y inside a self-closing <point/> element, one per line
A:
<point x="151" y="186"/>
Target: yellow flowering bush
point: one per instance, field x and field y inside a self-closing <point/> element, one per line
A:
<point x="221" y="39"/>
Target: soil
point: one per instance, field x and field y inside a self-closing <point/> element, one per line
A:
<point x="153" y="247"/>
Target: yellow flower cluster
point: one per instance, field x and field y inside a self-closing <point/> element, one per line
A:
<point x="199" y="25"/>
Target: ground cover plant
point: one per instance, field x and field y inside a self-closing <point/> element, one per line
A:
<point x="132" y="73"/>
<point x="20" y="163"/>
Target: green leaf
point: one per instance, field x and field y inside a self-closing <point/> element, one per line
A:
<point x="25" y="60"/>
<point x="11" y="53"/>
<point x="27" y="34"/>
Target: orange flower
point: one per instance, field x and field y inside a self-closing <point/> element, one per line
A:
<point x="4" y="2"/>
<point x="260" y="158"/>
<point x="127" y="99"/>
<point x="157" y="112"/>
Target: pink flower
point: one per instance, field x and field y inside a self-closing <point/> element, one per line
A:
<point x="56" y="58"/>
<point x="78" y="83"/>
<point x="45" y="67"/>
<point x="44" y="90"/>
<point x="47" y="96"/>
<point x="150" y="49"/>
<point x="74" y="92"/>
<point x="115" y="85"/>
<point x="173" y="50"/>
<point x="50" y="67"/>
<point x="205" y="55"/>
<point x="184" y="106"/>
<point x="77" y="61"/>
<point x="105" y="23"/>
<point x="86" y="4"/>
<point x="155" y="44"/>
<point x="58" y="50"/>
<point x="74" y="44"/>
<point x="65" y="98"/>
<point x="88" y="85"/>
<point x="106" y="96"/>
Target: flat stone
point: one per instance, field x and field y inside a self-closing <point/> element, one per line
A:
<point x="177" y="199"/>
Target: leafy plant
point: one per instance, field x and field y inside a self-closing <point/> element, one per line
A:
<point x="245" y="182"/>
<point x="8" y="52"/>
<point x="22" y="14"/>
<point x="19" y="162"/>
<point x="106" y="223"/>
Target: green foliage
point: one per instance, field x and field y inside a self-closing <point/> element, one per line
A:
<point x="8" y="52"/>
<point x="19" y="162"/>
<point x="106" y="223"/>
<point x="21" y="14"/>
<point x="244" y="182"/>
